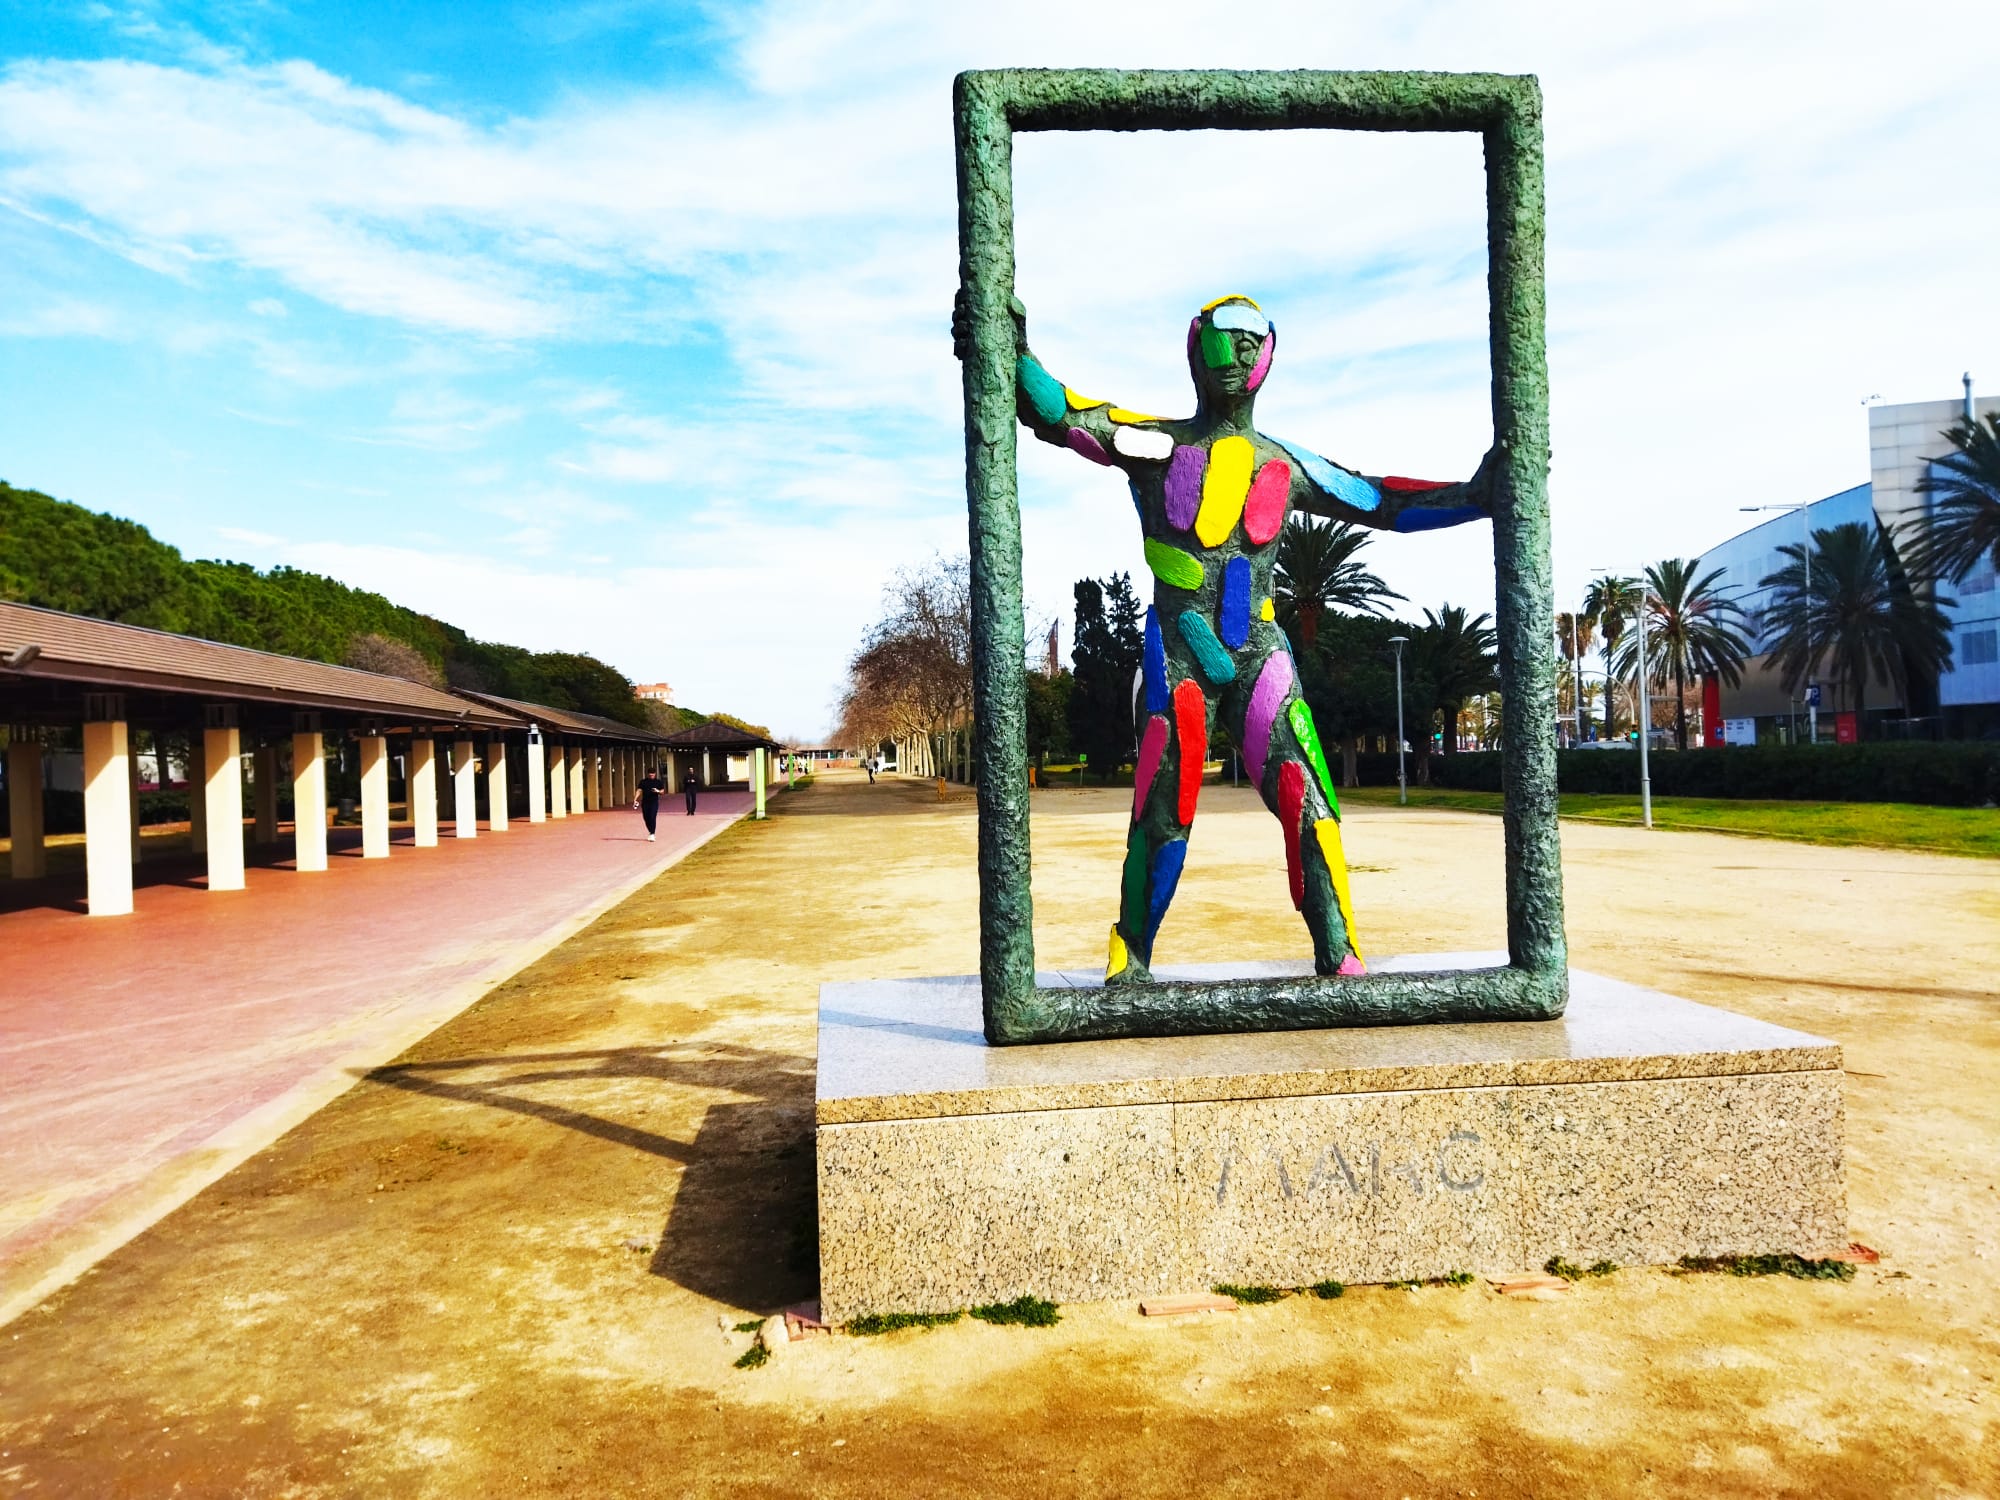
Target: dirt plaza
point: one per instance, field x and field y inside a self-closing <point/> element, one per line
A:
<point x="515" y="1261"/>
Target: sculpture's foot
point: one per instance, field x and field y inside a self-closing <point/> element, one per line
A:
<point x="1349" y="966"/>
<point x="1125" y="966"/>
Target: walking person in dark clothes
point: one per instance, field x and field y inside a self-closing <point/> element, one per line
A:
<point x="648" y="800"/>
<point x="693" y="785"/>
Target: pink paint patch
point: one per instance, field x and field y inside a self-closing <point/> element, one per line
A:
<point x="1151" y="748"/>
<point x="1351" y="965"/>
<point x="1266" y="698"/>
<point x="1291" y="805"/>
<point x="1264" y="511"/>
<point x="1194" y="337"/>
<point x="1087" y="445"/>
<point x="1263" y="366"/>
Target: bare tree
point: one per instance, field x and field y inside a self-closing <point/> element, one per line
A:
<point x="911" y="679"/>
<point x="392" y="658"/>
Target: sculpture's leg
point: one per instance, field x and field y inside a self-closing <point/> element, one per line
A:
<point x="1296" y="786"/>
<point x="1173" y="745"/>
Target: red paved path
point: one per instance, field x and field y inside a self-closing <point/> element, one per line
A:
<point x="142" y="1056"/>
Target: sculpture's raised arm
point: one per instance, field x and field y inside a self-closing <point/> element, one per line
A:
<point x="1101" y="431"/>
<point x="1390" y="502"/>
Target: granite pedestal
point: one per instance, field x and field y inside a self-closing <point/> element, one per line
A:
<point x="1638" y="1128"/>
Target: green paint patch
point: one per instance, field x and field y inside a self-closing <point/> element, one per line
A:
<point x="1250" y="1296"/>
<point x="1796" y="1266"/>
<point x="1171" y="565"/>
<point x="871" y="1324"/>
<point x="1327" y="1290"/>
<point x="752" y="1357"/>
<point x="1570" y="1271"/>
<point x="1028" y="1311"/>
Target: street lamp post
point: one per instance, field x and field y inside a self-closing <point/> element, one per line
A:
<point x="1402" y="783"/>
<point x="1805" y="551"/>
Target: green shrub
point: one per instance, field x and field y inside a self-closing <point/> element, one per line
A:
<point x="1027" y="1310"/>
<point x="874" y="1323"/>
<point x="1950" y="773"/>
<point x="1771" y="1265"/>
<point x="1249" y="1295"/>
<point x="1569" y="1271"/>
<point x="1327" y="1290"/>
<point x="752" y="1357"/>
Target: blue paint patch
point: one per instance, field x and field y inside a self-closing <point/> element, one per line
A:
<point x="1208" y="653"/>
<point x="1349" y="489"/>
<point x="1236" y="602"/>
<point x="1044" y="391"/>
<point x="1156" y="666"/>
<point x="1433" y="519"/>
<point x="1166" y="877"/>
<point x="1137" y="504"/>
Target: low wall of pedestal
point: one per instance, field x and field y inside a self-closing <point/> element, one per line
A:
<point x="1638" y="1128"/>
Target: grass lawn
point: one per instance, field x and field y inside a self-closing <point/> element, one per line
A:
<point x="1879" y="825"/>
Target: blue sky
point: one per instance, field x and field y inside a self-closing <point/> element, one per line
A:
<point x="621" y="327"/>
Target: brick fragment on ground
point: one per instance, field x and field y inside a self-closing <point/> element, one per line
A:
<point x="803" y="1321"/>
<point x="1858" y="1253"/>
<point x="1185" y="1302"/>
<point x="1531" y="1284"/>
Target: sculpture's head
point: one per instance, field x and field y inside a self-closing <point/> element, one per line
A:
<point x="1230" y="344"/>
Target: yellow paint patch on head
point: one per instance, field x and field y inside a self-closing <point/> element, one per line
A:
<point x="1116" y="965"/>
<point x="1327" y="831"/>
<point x="1232" y="297"/>
<point x="1223" y="489"/>
<point x="1120" y="414"/>
<point x="1079" y="403"/>
<point x="1267" y="611"/>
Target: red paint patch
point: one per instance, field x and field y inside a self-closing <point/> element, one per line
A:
<point x="1264" y="511"/>
<point x="1292" y="803"/>
<point x="1191" y="724"/>
<point x="1397" y="482"/>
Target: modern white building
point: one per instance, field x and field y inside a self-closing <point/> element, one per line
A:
<point x="1903" y="442"/>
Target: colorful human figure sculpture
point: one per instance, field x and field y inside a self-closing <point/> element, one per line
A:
<point x="1212" y="495"/>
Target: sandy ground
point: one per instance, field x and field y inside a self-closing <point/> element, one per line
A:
<point x="504" y="1265"/>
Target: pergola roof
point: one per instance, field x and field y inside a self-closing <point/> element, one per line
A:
<point x="101" y="653"/>
<point x="567" y="720"/>
<point x="715" y="735"/>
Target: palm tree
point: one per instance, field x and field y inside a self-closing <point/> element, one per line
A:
<point x="1459" y="656"/>
<point x="1861" y="615"/>
<point x="1613" y="602"/>
<point x="1317" y="570"/>
<point x="1692" y="631"/>
<point x="1964" y="521"/>
<point x="1575" y="635"/>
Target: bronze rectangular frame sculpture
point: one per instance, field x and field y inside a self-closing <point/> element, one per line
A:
<point x="988" y="107"/>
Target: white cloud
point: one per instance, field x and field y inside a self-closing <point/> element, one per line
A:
<point x="1757" y="215"/>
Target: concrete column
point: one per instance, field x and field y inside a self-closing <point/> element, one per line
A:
<point x="197" y="780"/>
<point x="558" y="780"/>
<point x="465" y="790"/>
<point x="107" y="817"/>
<point x="757" y="777"/>
<point x="264" y="792"/>
<point x="308" y="802"/>
<point x="573" y="758"/>
<point x="374" y="797"/>
<point x="132" y="788"/>
<point x="496" y="784"/>
<point x="221" y="758"/>
<point x="673" y="768"/>
<point x="30" y="859"/>
<point x="607" y="779"/>
<point x="598" y="773"/>
<point x="538" y="782"/>
<point x="423" y="791"/>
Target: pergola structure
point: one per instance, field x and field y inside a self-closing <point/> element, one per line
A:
<point x="708" y="748"/>
<point x="212" y="706"/>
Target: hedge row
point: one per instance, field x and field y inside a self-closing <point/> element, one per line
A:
<point x="1946" y="774"/>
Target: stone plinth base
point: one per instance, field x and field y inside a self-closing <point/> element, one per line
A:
<point x="1637" y="1129"/>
